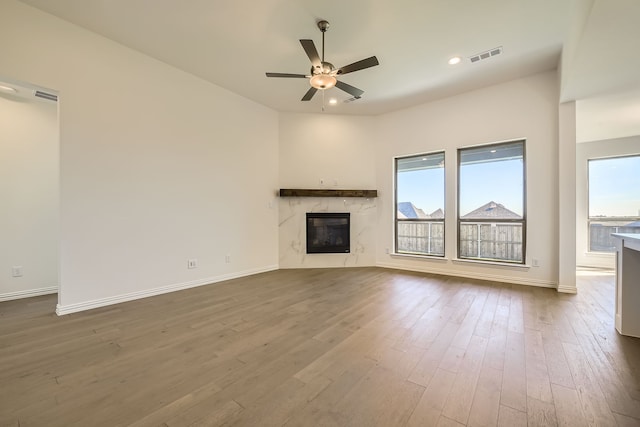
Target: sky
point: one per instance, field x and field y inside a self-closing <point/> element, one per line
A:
<point x="614" y="187"/>
<point x="424" y="188"/>
<point x="480" y="183"/>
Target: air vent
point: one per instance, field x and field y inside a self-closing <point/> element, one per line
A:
<point x="45" y="95"/>
<point x="486" y="55"/>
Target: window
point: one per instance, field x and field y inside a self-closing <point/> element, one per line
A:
<point x="491" y="202"/>
<point x="420" y="204"/>
<point x="614" y="200"/>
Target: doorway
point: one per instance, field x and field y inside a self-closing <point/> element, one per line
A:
<point x="29" y="190"/>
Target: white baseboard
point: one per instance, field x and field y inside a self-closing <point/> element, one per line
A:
<point x="567" y="289"/>
<point x="473" y="275"/>
<point x="28" y="293"/>
<point x="88" y="305"/>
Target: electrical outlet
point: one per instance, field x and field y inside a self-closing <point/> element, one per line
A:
<point x="321" y="181"/>
<point x="535" y="262"/>
<point x="192" y="263"/>
<point x="227" y="259"/>
<point x="16" y="271"/>
<point x="386" y="250"/>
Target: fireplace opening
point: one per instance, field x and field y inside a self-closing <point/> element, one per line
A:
<point x="328" y="233"/>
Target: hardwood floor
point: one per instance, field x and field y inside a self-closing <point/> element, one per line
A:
<point x="325" y="347"/>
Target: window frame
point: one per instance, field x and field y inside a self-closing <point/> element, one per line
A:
<point x="396" y="220"/>
<point x="523" y="221"/>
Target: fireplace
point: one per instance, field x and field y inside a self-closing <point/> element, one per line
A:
<point x="328" y="233"/>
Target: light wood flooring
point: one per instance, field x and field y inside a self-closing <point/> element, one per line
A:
<point x="325" y="347"/>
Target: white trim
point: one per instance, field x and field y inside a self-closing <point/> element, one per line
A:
<point x="116" y="299"/>
<point x="567" y="289"/>
<point x="473" y="275"/>
<point x="418" y="256"/>
<point x="491" y="263"/>
<point x="28" y="293"/>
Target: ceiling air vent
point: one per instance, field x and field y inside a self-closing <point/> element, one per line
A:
<point x="45" y="95"/>
<point x="486" y="55"/>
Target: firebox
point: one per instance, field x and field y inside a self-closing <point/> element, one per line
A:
<point x="328" y="233"/>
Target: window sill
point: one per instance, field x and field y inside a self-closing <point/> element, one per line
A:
<point x="600" y="254"/>
<point x="417" y="256"/>
<point x="461" y="261"/>
<point x="492" y="264"/>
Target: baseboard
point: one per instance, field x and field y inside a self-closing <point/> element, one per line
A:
<point x="117" y="299"/>
<point x="473" y="275"/>
<point x="567" y="289"/>
<point x="28" y="293"/>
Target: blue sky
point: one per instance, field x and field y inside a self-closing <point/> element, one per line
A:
<point x="614" y="187"/>
<point x="424" y="188"/>
<point x="500" y="182"/>
<point x="480" y="183"/>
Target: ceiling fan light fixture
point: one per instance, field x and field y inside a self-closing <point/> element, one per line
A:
<point x="323" y="81"/>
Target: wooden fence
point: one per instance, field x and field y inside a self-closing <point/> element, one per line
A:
<point x="421" y="237"/>
<point x="600" y="239"/>
<point x="492" y="241"/>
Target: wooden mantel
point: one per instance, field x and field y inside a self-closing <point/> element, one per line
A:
<point x="288" y="192"/>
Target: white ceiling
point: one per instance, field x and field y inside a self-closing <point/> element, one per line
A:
<point x="232" y="43"/>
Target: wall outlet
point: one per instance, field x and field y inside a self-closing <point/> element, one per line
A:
<point x="321" y="181"/>
<point x="227" y="258"/>
<point x="386" y="251"/>
<point x="535" y="262"/>
<point x="192" y="263"/>
<point x="16" y="271"/>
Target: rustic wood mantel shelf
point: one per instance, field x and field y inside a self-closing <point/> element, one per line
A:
<point x="287" y="192"/>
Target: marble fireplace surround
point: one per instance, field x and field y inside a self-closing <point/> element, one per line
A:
<point x="293" y="207"/>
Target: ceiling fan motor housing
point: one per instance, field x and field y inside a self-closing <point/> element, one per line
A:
<point x="326" y="68"/>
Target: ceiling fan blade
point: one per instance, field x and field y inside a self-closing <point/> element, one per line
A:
<point x="299" y="76"/>
<point x="354" y="91"/>
<point x="307" y="96"/>
<point x="360" y="65"/>
<point x="310" y="48"/>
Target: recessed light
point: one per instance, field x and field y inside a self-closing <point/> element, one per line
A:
<point x="455" y="60"/>
<point x="7" y="89"/>
<point x="333" y="101"/>
<point x="493" y="151"/>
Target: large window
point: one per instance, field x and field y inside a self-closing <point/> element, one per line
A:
<point x="420" y="204"/>
<point x="491" y="202"/>
<point x="614" y="200"/>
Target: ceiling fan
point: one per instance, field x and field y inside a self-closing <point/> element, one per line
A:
<point x="323" y="74"/>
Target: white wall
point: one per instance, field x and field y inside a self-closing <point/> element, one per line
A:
<point x="29" y="196"/>
<point x="523" y="108"/>
<point x="156" y="166"/>
<point x="584" y="152"/>
<point x="327" y="151"/>
<point x="567" y="198"/>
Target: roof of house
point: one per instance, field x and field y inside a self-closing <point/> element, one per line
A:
<point x="409" y="210"/>
<point x="437" y="214"/>
<point x="491" y="210"/>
